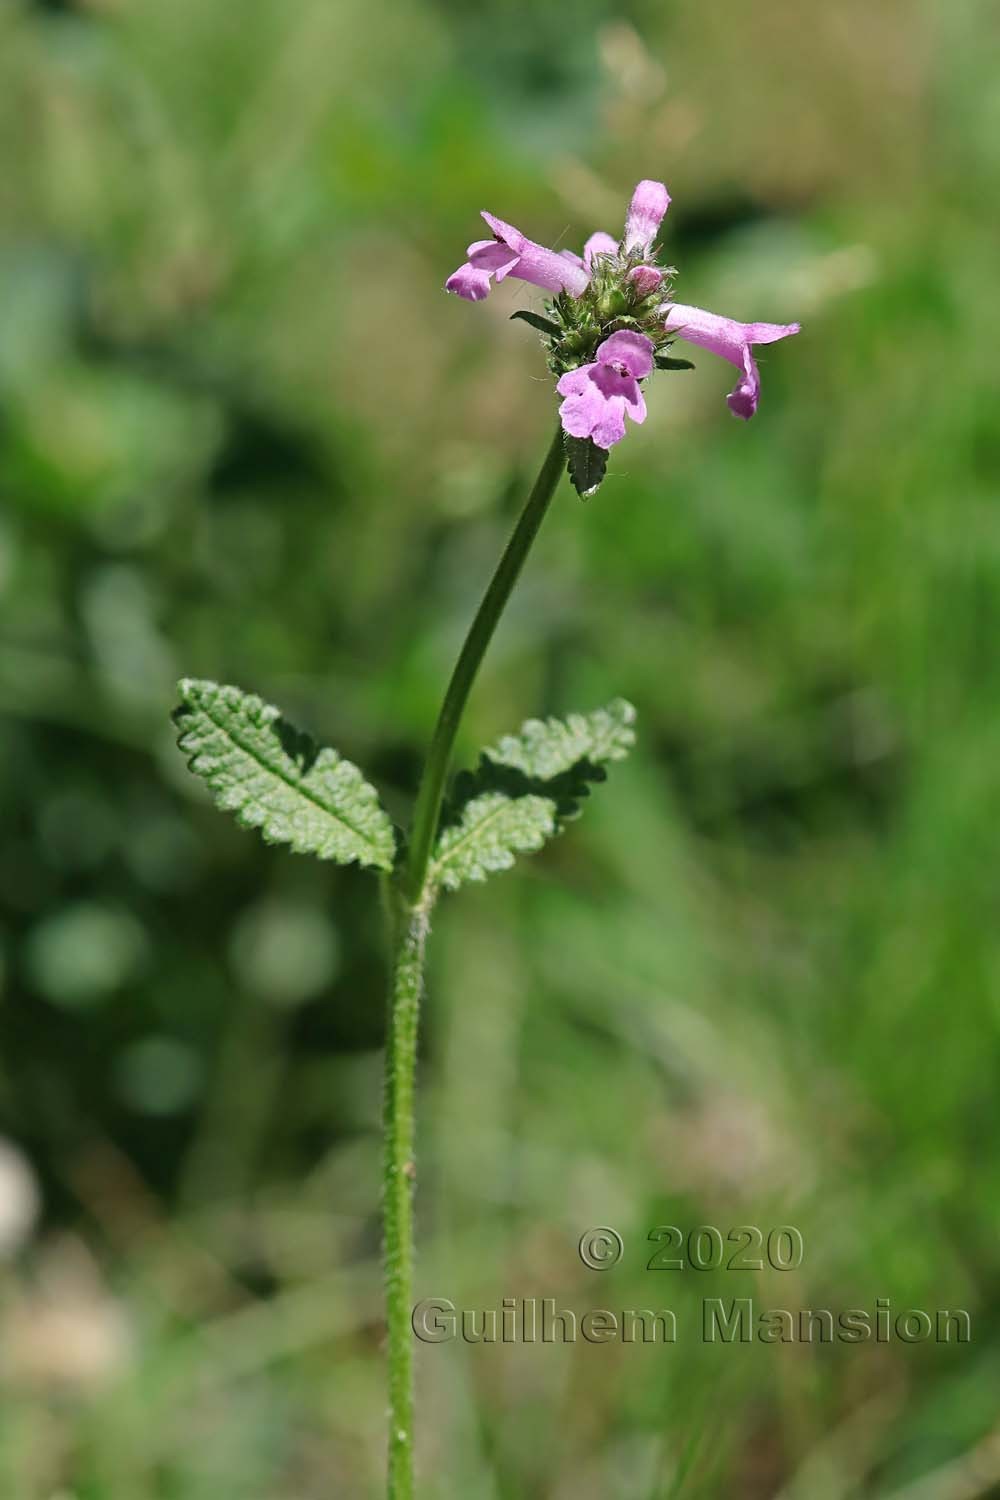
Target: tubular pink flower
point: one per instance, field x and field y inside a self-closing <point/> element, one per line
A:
<point x="617" y="283"/>
<point x="650" y="202"/>
<point x="598" y="395"/>
<point x="598" y="244"/>
<point x="731" y="341"/>
<point x="487" y="258"/>
<point x="511" y="253"/>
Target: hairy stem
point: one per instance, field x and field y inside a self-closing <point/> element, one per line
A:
<point x="428" y="807"/>
<point x="399" y="1174"/>
<point x="411" y="902"/>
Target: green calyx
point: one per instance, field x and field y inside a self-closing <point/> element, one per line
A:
<point x="572" y="328"/>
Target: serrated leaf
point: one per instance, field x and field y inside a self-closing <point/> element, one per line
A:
<point x="492" y="829"/>
<point x="586" y="463"/>
<point x="525" y="788"/>
<point x="664" y="362"/>
<point x="547" y="748"/>
<point x="275" y="778"/>
<point x="544" y="325"/>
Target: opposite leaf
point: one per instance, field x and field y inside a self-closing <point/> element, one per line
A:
<point x="525" y="788"/>
<point x="493" y="828"/>
<point x="551" y="747"/>
<point x="275" y="778"/>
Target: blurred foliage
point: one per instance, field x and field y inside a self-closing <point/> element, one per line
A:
<point x="244" y="435"/>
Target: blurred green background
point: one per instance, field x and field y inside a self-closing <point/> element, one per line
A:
<point x="245" y="435"/>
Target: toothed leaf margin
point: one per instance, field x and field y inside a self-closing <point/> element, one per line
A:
<point x="274" y="778"/>
<point x="586" y="465"/>
<point x="524" y="789"/>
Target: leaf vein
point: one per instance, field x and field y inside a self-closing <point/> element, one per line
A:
<point x="279" y="775"/>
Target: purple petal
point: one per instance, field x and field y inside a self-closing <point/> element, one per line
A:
<point x="554" y="273"/>
<point x="469" y="283"/>
<point x="590" y="415"/>
<point x="579" y="415"/>
<point x="614" y="386"/>
<point x="731" y="341"/>
<point x="633" y="350"/>
<point x="487" y="259"/>
<point x="597" y="398"/>
<point x="611" y="427"/>
<point x="544" y="268"/>
<point x="650" y="202"/>
<point x="583" y="408"/>
<point x="743" y="398"/>
<point x="498" y="259"/>
<point x="598" y="244"/>
<point x="575" y="382"/>
<point x="723" y="336"/>
<point x="503" y="231"/>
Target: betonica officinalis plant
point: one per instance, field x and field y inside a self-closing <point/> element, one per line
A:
<point x="607" y="325"/>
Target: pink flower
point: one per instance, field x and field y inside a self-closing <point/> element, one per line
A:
<point x="598" y="395"/>
<point x="732" y="341"/>
<point x="650" y="202"/>
<point x="618" y="321"/>
<point x="598" y="244"/>
<point x="511" y="253"/>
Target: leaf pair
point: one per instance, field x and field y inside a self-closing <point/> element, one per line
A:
<point x="276" y="779"/>
<point x="524" y="789"/>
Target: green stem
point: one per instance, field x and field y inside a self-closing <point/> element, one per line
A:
<point x="411" y="903"/>
<point x="428" y="807"/>
<point x="398" y="1179"/>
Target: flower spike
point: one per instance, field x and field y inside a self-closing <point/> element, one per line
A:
<point x="610" y="323"/>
